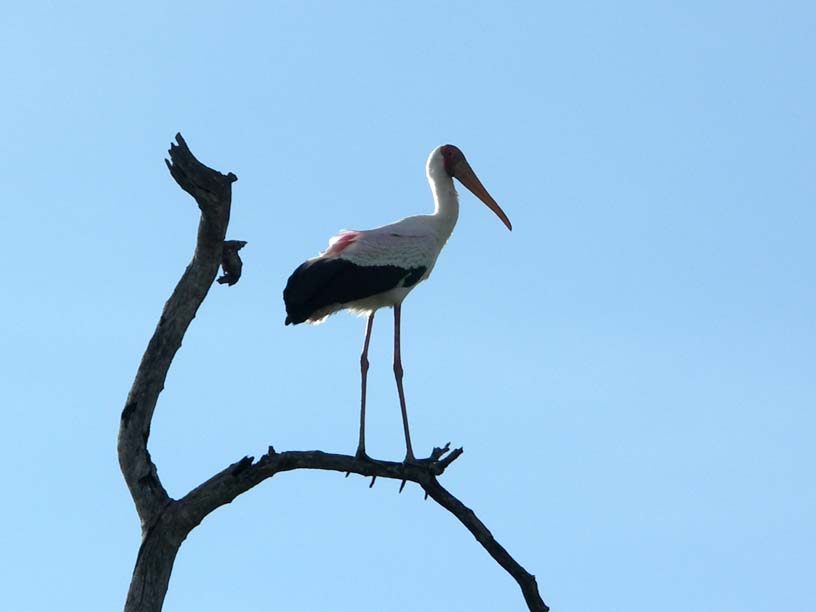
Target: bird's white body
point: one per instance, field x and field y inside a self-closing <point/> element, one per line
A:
<point x="411" y="244"/>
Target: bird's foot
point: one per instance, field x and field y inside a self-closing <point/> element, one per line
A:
<point x="361" y="455"/>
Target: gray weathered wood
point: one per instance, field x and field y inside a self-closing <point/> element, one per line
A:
<point x="161" y="533"/>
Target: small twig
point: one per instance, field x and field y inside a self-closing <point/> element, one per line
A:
<point x="231" y="262"/>
<point x="454" y="455"/>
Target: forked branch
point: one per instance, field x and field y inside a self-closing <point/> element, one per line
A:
<point x="165" y="521"/>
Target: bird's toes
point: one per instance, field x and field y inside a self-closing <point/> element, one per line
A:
<point x="361" y="455"/>
<point x="411" y="460"/>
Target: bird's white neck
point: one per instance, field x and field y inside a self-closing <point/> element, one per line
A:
<point x="446" y="200"/>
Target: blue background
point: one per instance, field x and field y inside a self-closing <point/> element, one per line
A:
<point x="630" y="371"/>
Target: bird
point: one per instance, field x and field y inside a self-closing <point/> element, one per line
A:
<point x="365" y="270"/>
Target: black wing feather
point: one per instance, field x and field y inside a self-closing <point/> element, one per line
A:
<point x="319" y="283"/>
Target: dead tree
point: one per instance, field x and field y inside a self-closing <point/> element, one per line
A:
<point x="166" y="521"/>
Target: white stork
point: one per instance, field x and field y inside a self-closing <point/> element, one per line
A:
<point x="363" y="271"/>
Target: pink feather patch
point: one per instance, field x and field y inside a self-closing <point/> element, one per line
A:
<point x="341" y="242"/>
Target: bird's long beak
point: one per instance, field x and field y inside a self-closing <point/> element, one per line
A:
<point x="468" y="178"/>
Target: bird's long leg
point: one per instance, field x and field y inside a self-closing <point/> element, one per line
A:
<point x="364" y="374"/>
<point x="409" y="454"/>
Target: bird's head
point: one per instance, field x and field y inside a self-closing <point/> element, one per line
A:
<point x="450" y="160"/>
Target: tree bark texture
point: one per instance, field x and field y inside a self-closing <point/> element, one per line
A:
<point x="165" y="521"/>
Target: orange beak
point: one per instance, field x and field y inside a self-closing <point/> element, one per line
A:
<point x="468" y="178"/>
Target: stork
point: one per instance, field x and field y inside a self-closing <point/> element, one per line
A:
<point x="365" y="270"/>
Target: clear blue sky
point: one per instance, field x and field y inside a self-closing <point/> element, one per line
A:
<point x="630" y="371"/>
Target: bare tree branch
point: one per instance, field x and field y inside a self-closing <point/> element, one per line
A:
<point x="243" y="475"/>
<point x="167" y="522"/>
